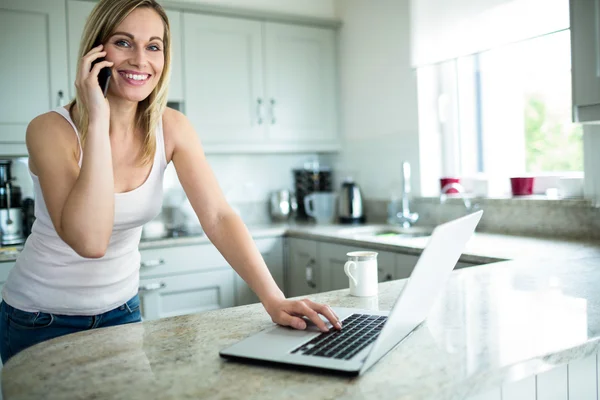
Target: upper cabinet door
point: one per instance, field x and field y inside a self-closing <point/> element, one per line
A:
<point x="33" y="64"/>
<point x="223" y="75"/>
<point x="77" y="14"/>
<point x="176" y="84"/>
<point x="585" y="59"/>
<point x="301" y="84"/>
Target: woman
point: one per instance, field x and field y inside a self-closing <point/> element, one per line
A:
<point x="97" y="168"/>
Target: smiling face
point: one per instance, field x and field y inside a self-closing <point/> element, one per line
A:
<point x="136" y="47"/>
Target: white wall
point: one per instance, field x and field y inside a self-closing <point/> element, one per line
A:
<point x="313" y="8"/>
<point x="248" y="178"/>
<point x="378" y="99"/>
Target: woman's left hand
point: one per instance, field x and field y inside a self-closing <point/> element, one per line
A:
<point x="290" y="312"/>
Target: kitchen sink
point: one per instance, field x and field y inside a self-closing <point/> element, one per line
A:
<point x="392" y="233"/>
<point x="385" y="231"/>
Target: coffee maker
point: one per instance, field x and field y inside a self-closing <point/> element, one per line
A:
<point x="312" y="178"/>
<point x="11" y="214"/>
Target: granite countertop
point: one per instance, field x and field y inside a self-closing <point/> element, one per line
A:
<point x="484" y="331"/>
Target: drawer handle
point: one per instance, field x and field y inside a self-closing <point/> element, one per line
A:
<point x="152" y="287"/>
<point x="273" y="120"/>
<point x="310" y="274"/>
<point x="152" y="263"/>
<point x="259" y="117"/>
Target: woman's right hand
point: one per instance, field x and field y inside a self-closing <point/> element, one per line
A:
<point x="88" y="87"/>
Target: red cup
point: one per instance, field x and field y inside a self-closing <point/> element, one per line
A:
<point x="522" y="186"/>
<point x="446" y="181"/>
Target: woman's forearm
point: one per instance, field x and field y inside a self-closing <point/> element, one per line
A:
<point x="88" y="213"/>
<point x="231" y="237"/>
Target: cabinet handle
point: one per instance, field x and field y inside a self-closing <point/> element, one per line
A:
<point x="152" y="263"/>
<point x="273" y="120"/>
<point x="310" y="274"/>
<point x="259" y="117"/>
<point x="59" y="100"/>
<point x="151" y="287"/>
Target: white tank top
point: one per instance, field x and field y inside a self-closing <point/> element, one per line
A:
<point x="49" y="276"/>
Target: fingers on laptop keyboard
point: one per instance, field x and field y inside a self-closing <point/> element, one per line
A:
<point x="305" y="307"/>
<point x="327" y="312"/>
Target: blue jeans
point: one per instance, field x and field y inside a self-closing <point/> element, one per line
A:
<point x="20" y="329"/>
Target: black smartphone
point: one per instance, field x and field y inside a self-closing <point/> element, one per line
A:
<point x="103" y="76"/>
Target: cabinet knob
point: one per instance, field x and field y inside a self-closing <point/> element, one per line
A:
<point x="152" y="263"/>
<point x="151" y="287"/>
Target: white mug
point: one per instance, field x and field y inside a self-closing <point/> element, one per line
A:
<point x="361" y="269"/>
<point x="320" y="206"/>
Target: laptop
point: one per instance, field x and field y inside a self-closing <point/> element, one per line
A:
<point x="366" y="336"/>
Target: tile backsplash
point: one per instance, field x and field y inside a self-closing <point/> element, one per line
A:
<point x="567" y="219"/>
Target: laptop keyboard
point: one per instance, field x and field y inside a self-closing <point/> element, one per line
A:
<point x="358" y="331"/>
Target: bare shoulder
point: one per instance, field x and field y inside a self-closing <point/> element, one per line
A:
<point x="174" y="121"/>
<point x="50" y="133"/>
<point x="177" y="129"/>
<point x="49" y="127"/>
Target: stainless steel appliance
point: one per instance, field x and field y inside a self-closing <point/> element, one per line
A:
<point x="11" y="215"/>
<point x="282" y="205"/>
<point x="350" y="207"/>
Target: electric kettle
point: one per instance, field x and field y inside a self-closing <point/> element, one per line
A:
<point x="350" y="206"/>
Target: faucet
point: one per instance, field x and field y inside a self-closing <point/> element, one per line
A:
<point x="461" y="192"/>
<point x="405" y="217"/>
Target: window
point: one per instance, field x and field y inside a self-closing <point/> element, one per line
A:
<point x="503" y="112"/>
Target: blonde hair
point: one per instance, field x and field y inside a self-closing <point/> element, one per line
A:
<point x="100" y="25"/>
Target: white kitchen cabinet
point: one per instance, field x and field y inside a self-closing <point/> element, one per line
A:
<point x="585" y="59"/>
<point x="582" y="377"/>
<point x="176" y="92"/>
<point x="184" y="279"/>
<point x="163" y="261"/>
<point x="332" y="258"/>
<point x="223" y="75"/>
<point x="197" y="292"/>
<point x="553" y="385"/>
<point x="576" y="380"/>
<point x="77" y="14"/>
<point x="259" y="87"/>
<point x="300" y="84"/>
<point x="523" y="389"/>
<point x="34" y="80"/>
<point x="271" y="250"/>
<point x="303" y="275"/>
